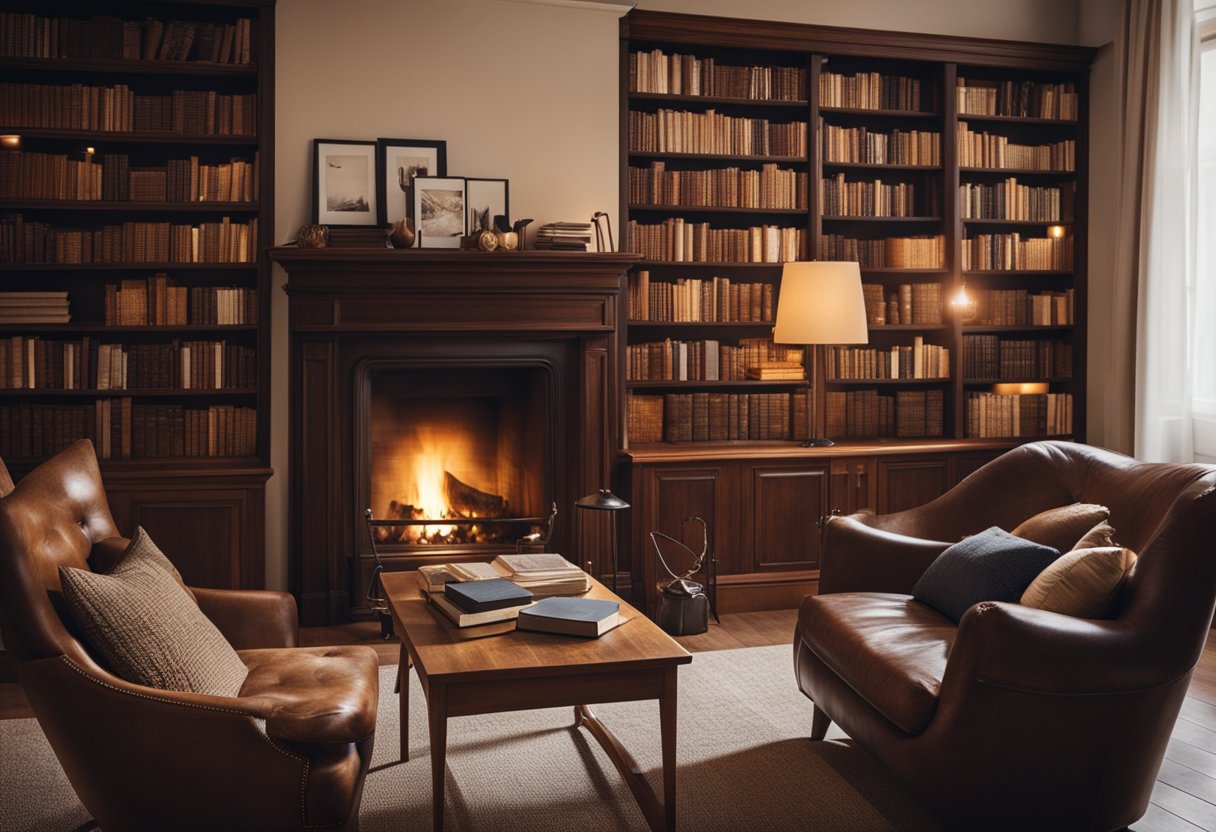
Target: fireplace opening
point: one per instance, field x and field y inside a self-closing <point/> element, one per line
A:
<point x="458" y="444"/>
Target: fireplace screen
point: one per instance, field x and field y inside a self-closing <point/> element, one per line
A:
<point x="458" y="444"/>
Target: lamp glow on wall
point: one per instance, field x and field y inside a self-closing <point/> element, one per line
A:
<point x="820" y="302"/>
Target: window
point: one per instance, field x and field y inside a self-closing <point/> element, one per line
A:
<point x="1204" y="355"/>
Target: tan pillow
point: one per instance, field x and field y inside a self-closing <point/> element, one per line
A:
<point x="1082" y="583"/>
<point x="1061" y="528"/>
<point x="1100" y="536"/>
<point x="147" y="628"/>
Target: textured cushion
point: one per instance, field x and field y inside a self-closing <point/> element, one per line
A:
<point x="147" y="628"/>
<point x="1100" y="536"/>
<point x="1061" y="528"/>
<point x="1082" y="583"/>
<point x="990" y="566"/>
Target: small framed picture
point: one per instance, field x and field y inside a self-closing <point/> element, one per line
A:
<point x="439" y="209"/>
<point x="486" y="199"/>
<point x="399" y="161"/>
<point x="344" y="182"/>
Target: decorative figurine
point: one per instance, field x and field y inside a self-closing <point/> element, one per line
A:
<point x="401" y="235"/>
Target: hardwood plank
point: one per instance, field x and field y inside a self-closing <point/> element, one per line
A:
<point x="1191" y="756"/>
<point x="1185" y="779"/>
<point x="1186" y="806"/>
<point x="1157" y="819"/>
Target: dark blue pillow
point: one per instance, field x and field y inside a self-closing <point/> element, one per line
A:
<point x="990" y="566"/>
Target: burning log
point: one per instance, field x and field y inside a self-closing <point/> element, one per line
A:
<point x="395" y="534"/>
<point x="466" y="501"/>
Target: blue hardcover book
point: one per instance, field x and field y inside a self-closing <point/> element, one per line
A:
<point x="483" y="596"/>
<point x="571" y="616"/>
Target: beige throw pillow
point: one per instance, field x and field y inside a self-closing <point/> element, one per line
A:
<point x="1061" y="528"/>
<point x="1082" y="583"/>
<point x="144" y="624"/>
<point x="1100" y="536"/>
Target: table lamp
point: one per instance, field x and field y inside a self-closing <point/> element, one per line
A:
<point x="605" y="500"/>
<point x="820" y="302"/>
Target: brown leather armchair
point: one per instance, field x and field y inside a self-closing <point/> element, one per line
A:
<point x="1017" y="718"/>
<point x="289" y="752"/>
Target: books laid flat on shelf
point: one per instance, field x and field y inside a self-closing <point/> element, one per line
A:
<point x="472" y="619"/>
<point x="588" y="617"/>
<point x="487" y="595"/>
<point x="564" y="236"/>
<point x="543" y="573"/>
<point x="34" y="308"/>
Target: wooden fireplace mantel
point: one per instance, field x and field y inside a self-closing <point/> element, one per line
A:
<point x="353" y="307"/>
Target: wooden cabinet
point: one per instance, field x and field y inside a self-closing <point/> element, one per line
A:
<point x="783" y="507"/>
<point x="908" y="483"/>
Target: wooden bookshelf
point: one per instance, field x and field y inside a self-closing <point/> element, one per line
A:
<point x="196" y="477"/>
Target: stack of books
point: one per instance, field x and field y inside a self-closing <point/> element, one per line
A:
<point x="34" y="308"/>
<point x="564" y="236"/>
<point x="543" y="574"/>
<point x="470" y="603"/>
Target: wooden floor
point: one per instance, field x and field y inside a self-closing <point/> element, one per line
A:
<point x="1183" y="801"/>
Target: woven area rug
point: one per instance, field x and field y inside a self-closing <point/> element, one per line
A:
<point x="745" y="763"/>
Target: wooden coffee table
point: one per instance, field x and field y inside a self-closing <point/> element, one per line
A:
<point x="519" y="671"/>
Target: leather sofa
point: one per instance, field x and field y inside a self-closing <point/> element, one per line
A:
<point x="289" y="752"/>
<point x="1016" y="718"/>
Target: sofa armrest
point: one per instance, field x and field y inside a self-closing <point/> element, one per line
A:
<point x="251" y="618"/>
<point x="857" y="557"/>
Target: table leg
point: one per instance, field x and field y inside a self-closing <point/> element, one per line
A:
<point x="403" y="700"/>
<point x="436" y="709"/>
<point x="667" y="727"/>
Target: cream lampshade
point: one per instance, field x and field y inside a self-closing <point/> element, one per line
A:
<point x="821" y="303"/>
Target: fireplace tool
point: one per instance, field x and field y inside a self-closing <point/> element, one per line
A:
<point x="535" y="541"/>
<point x="684" y="606"/>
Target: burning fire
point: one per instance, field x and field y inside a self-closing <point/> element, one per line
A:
<point x="428" y="497"/>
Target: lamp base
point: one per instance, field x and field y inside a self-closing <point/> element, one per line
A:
<point x="818" y="442"/>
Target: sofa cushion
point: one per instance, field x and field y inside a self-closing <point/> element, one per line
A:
<point x="890" y="649"/>
<point x="1099" y="536"/>
<point x="990" y="566"/>
<point x="1061" y="528"/>
<point x="141" y="621"/>
<point x="1082" y="583"/>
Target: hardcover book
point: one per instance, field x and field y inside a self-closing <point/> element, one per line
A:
<point x="571" y="616"/>
<point x="483" y="596"/>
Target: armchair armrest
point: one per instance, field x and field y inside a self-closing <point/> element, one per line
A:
<point x="860" y="558"/>
<point x="251" y="618"/>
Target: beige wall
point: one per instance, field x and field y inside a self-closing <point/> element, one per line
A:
<point x="519" y="89"/>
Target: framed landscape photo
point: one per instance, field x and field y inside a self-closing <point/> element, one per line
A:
<point x="485" y="199"/>
<point x="399" y="161"/>
<point x="439" y="208"/>
<point x="344" y="182"/>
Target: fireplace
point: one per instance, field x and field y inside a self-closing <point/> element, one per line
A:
<point x="431" y="385"/>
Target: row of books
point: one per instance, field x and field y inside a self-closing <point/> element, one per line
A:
<point x="991" y="357"/>
<point x="1018" y="307"/>
<point x="770" y="187"/>
<point x="1012" y="251"/>
<point x="157" y="301"/>
<point x="910" y="303"/>
<point x="991" y="415"/>
<point x="120" y="429"/>
<point x="839" y="197"/>
<point x="865" y="146"/>
<point x="29" y="175"/>
<point x="980" y="149"/>
<point x="118" y="109"/>
<point x="887" y="252"/>
<point x="678" y="131"/>
<point x="35" y="307"/>
<point x="24" y="35"/>
<point x="863" y="414"/>
<point x="32" y="363"/>
<point x="23" y="241"/>
<point x="692" y="299"/>
<point x="716" y="417"/>
<point x="711" y="360"/>
<point x="870" y="91"/>
<point x="1021" y="99"/>
<point x="655" y="71"/>
<point x="675" y="240"/>
<point x="900" y="361"/>
<point x="1008" y="200"/>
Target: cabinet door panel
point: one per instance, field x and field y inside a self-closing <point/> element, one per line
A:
<point x="852" y="484"/>
<point x="911" y="483"/>
<point x="786" y="506"/>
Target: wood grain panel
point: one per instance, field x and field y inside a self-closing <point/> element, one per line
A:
<point x="911" y="483"/>
<point x="782" y="522"/>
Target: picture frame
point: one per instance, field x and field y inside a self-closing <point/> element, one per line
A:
<point x="344" y="182"/>
<point x="439" y="206"/>
<point x="398" y="162"/>
<point x="486" y="199"/>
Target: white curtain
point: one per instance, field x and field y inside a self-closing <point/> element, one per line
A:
<point x="1161" y="99"/>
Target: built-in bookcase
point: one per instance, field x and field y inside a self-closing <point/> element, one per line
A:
<point x="136" y="200"/>
<point x="939" y="164"/>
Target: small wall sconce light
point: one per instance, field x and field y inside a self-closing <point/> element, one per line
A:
<point x="1055" y="232"/>
<point x="10" y="141"/>
<point x="963" y="305"/>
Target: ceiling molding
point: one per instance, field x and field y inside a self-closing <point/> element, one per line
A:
<point x="617" y="9"/>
